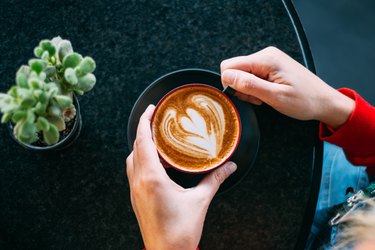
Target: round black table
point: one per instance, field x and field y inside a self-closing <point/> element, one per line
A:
<point x="78" y="198"/>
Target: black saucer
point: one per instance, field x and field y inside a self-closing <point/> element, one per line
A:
<point x="247" y="150"/>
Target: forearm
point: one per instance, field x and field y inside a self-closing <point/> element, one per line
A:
<point x="357" y="134"/>
<point x="335" y="109"/>
<point x="170" y="236"/>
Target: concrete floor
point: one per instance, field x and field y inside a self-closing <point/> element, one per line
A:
<point x="341" y="34"/>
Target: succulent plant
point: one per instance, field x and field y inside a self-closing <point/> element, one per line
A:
<point x="41" y="102"/>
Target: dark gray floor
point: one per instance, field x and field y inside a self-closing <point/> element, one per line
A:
<point x="341" y="34"/>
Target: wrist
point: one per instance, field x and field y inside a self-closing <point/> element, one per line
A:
<point x="168" y="244"/>
<point x="337" y="109"/>
<point x="170" y="247"/>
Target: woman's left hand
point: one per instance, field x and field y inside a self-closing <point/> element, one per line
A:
<point x="169" y="216"/>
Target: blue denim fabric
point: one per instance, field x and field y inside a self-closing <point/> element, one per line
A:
<point x="337" y="175"/>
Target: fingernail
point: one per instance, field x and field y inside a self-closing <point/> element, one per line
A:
<point x="151" y="106"/>
<point x="229" y="76"/>
<point x="231" y="166"/>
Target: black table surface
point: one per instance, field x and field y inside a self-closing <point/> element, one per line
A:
<point x="78" y="198"/>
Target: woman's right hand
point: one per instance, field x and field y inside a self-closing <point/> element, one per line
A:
<point x="271" y="76"/>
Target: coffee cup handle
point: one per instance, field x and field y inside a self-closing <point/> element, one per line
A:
<point x="229" y="91"/>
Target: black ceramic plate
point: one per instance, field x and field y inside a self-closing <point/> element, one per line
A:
<point x="248" y="146"/>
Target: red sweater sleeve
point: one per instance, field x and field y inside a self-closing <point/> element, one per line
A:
<point x="357" y="135"/>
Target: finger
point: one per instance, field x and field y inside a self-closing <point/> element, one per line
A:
<point x="211" y="183"/>
<point x="239" y="62"/>
<point x="130" y="174"/>
<point x="145" y="153"/>
<point x="248" y="98"/>
<point x="144" y="125"/>
<point x="250" y="84"/>
<point x="255" y="63"/>
<point x="130" y="168"/>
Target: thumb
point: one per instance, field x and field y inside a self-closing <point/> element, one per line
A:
<point x="250" y="84"/>
<point x="211" y="183"/>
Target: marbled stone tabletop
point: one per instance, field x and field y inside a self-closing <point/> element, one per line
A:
<point x="78" y="198"/>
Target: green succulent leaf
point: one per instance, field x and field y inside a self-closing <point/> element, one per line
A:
<point x="87" y="65"/>
<point x="19" y="115"/>
<point x="38" y="51"/>
<point x="51" y="136"/>
<point x="56" y="40"/>
<point x="13" y="91"/>
<point x="52" y="88"/>
<point x="37" y="92"/>
<point x="52" y="92"/>
<point x="21" y="80"/>
<point x="35" y="83"/>
<point x="54" y="110"/>
<point x="45" y="56"/>
<point x="42" y="76"/>
<point x="5" y="98"/>
<point x="78" y="72"/>
<point x="87" y="82"/>
<point x="78" y="91"/>
<point x="42" y="124"/>
<point x="37" y="65"/>
<point x="33" y="74"/>
<point x="28" y="140"/>
<point x="28" y="102"/>
<point x="21" y="92"/>
<point x="27" y="133"/>
<point x="6" y="117"/>
<point x="70" y="76"/>
<point x="65" y="48"/>
<point x="24" y="69"/>
<point x="30" y="117"/>
<point x="72" y="60"/>
<point x="50" y="71"/>
<point x="51" y="85"/>
<point x="43" y="97"/>
<point x="48" y="46"/>
<point x="16" y="128"/>
<point x="58" y="121"/>
<point x="64" y="101"/>
<point x="40" y="108"/>
<point x="9" y="107"/>
<point x="22" y="75"/>
<point x="53" y="59"/>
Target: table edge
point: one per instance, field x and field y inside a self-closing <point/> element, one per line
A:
<point x="318" y="144"/>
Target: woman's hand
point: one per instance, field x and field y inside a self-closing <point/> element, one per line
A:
<point x="169" y="216"/>
<point x="271" y="76"/>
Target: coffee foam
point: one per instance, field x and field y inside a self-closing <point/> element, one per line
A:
<point x="191" y="126"/>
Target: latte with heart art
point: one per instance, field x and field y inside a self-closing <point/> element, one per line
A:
<point x="196" y="128"/>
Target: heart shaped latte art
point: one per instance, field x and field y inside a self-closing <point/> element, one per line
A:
<point x="197" y="129"/>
